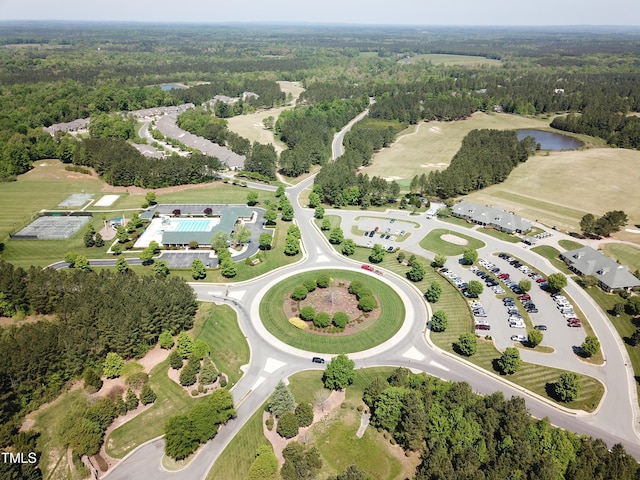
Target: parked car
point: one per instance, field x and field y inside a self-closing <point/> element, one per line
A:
<point x="574" y="324"/>
<point x="390" y="249"/>
<point x="518" y="338"/>
<point x="503" y="276"/>
<point x="483" y="326"/>
<point x="387" y="230"/>
<point x="532" y="310"/>
<point x="524" y="297"/>
<point x="542" y="328"/>
<point x="402" y="232"/>
<point x="372" y="233"/>
<point x="541" y="280"/>
<point x="317" y="360"/>
<point x="376" y="229"/>
<point x="392" y="220"/>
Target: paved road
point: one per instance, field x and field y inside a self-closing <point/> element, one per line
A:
<point x="271" y="360"/>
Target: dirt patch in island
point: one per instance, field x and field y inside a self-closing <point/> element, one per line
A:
<point x="447" y="237"/>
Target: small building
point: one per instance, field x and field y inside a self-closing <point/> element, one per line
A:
<point x="491" y="217"/>
<point x="610" y="274"/>
<point x="530" y="240"/>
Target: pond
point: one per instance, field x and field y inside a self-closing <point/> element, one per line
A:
<point x="171" y="86"/>
<point x="550" y="140"/>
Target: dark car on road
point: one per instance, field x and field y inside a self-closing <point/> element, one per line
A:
<point x="317" y="360"/>
<point x="542" y="328"/>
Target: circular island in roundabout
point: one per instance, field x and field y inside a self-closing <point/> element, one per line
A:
<point x="308" y="310"/>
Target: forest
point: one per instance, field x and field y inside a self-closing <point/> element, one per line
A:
<point x="470" y="437"/>
<point x="87" y="315"/>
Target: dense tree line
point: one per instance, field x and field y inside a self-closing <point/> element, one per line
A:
<point x="486" y="157"/>
<point x="467" y="436"/>
<point x="616" y="128"/>
<point x="93" y="314"/>
<point x="308" y="131"/>
<point x="269" y="92"/>
<point x="118" y="163"/>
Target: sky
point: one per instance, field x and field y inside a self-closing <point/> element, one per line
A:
<point x="388" y="12"/>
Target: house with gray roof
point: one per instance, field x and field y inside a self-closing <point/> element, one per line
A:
<point x="491" y="217"/>
<point x="610" y="274"/>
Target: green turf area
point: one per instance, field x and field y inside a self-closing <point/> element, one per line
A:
<point x="623" y="324"/>
<point x="211" y="321"/>
<point x="570" y="244"/>
<point x="434" y="243"/>
<point x="461" y="222"/>
<point x="218" y="326"/>
<point x="389" y="322"/>
<point x="553" y="255"/>
<point x="538" y="378"/>
<point x="627" y="255"/>
<point x="53" y="462"/>
<point x="235" y="461"/>
<point x="504" y="236"/>
<point x="451" y="59"/>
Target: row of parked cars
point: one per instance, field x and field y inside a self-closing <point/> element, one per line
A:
<point x="566" y="309"/>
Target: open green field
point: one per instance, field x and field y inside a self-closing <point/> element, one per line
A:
<point x="627" y="255"/>
<point x="570" y="244"/>
<point x="552" y="254"/>
<point x="447" y="59"/>
<point x="624" y="326"/>
<point x="216" y="325"/>
<point x="430" y="146"/>
<point x="391" y="317"/>
<point x="49" y="183"/>
<point x="434" y="243"/>
<point x="251" y="127"/>
<point x="548" y="189"/>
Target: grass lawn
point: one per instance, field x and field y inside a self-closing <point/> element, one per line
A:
<point x="434" y="243"/>
<point x="461" y="222"/>
<point x="235" y="461"/>
<point x="451" y="59"/>
<point x="625" y="254"/>
<point x="430" y="146"/>
<point x="53" y="462"/>
<point x="539" y="379"/>
<point x="553" y="255"/>
<point x="570" y="244"/>
<point x="229" y="351"/>
<point x="391" y="316"/>
<point x="623" y="324"/>
<point x="540" y="188"/>
<point x="507" y="237"/>
<point x="218" y="326"/>
<point x="250" y="126"/>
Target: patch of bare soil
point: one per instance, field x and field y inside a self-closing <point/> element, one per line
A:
<point x="319" y="412"/>
<point x="159" y="191"/>
<point x="335" y="298"/>
<point x="447" y="237"/>
<point x="8" y="321"/>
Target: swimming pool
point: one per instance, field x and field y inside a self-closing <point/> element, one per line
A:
<point x="190" y="225"/>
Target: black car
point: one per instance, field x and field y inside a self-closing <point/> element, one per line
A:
<point x="532" y="310"/>
<point x="540" y="327"/>
<point x="317" y="360"/>
<point x="372" y="233"/>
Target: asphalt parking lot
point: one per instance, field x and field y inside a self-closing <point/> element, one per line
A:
<point x="185" y="259"/>
<point x="559" y="336"/>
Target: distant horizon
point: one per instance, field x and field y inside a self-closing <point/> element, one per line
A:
<point x="455" y="13"/>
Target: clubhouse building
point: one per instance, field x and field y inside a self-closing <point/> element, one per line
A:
<point x="490" y="217"/>
<point x="610" y="274"/>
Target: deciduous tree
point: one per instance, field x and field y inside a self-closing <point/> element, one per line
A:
<point x="339" y="373"/>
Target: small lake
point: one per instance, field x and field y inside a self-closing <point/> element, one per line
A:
<point x="171" y="86"/>
<point x="550" y="140"/>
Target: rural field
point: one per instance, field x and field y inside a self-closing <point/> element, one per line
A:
<point x="446" y="59"/>
<point x="430" y="146"/>
<point x="251" y="126"/>
<point x="559" y="188"/>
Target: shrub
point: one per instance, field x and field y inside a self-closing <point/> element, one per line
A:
<point x="322" y="319"/>
<point x="310" y="285"/>
<point x="307" y="313"/>
<point x="568" y="387"/>
<point x="113" y="365"/>
<point x="299" y="293"/>
<point x="304" y="414"/>
<point x="131" y="400"/>
<point x="340" y="319"/>
<point x="359" y="290"/>
<point x="147" y="395"/>
<point x="298" y="323"/>
<point x="288" y="425"/>
<point x="269" y="423"/>
<point x="165" y="340"/>
<point x="208" y="372"/>
<point x="367" y="303"/>
<point x="467" y="344"/>
<point x="323" y="280"/>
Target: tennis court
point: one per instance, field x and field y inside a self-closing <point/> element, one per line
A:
<point x="52" y="227"/>
<point x="76" y="200"/>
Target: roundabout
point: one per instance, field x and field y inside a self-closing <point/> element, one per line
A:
<point x="364" y="331"/>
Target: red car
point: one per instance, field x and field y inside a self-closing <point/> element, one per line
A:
<point x="524" y="297"/>
<point x="375" y="229"/>
<point x="483" y="326"/>
<point x="574" y="324"/>
<point x="541" y="280"/>
<point x="503" y="276"/>
<point x="367" y="267"/>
